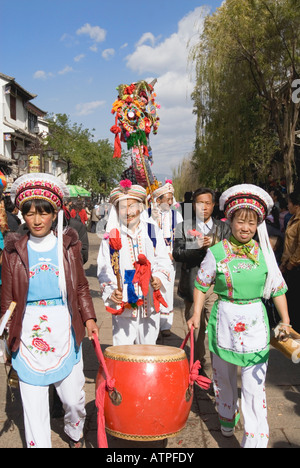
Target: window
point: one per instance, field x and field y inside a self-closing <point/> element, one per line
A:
<point x="13" y="107"/>
<point x="32" y="121"/>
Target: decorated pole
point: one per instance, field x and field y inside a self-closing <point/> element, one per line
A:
<point x="115" y="245"/>
<point x="136" y="116"/>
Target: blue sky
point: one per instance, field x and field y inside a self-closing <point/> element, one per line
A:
<point x="74" y="53"/>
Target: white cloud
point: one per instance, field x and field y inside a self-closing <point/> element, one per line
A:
<point x="79" y="57"/>
<point x="146" y="37"/>
<point x="40" y="75"/>
<point x="170" y="54"/>
<point x="168" y="60"/>
<point x="88" y="108"/>
<point x="66" y="70"/>
<point x="108" y="53"/>
<point x="96" y="33"/>
<point x="68" y="40"/>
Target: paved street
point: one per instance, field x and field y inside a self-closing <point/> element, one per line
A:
<point x="202" y="429"/>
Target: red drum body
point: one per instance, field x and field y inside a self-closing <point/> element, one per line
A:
<point x="152" y="397"/>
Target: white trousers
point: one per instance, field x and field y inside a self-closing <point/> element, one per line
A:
<point x="135" y="330"/>
<point x="166" y="321"/>
<point x="253" y="400"/>
<point x="167" y="315"/>
<point x="35" y="402"/>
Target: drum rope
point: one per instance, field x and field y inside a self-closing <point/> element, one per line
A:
<point x="107" y="384"/>
<point x="201" y="380"/>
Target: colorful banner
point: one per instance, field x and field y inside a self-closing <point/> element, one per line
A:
<point x="34" y="164"/>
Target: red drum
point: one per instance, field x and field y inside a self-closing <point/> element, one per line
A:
<point x="152" y="397"/>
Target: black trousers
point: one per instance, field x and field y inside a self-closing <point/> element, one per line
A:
<point x="292" y="279"/>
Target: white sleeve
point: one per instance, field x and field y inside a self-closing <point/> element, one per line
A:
<point x="161" y="268"/>
<point x="206" y="273"/>
<point x="105" y="274"/>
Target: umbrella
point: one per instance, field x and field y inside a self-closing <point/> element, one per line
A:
<point x="76" y="191"/>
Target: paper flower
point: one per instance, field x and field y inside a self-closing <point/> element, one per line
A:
<point x="194" y="233"/>
<point x="126" y="184"/>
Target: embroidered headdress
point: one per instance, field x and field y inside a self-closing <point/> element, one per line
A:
<point x="256" y="199"/>
<point x="126" y="190"/>
<point x="41" y="186"/>
<point x="246" y="196"/>
<point x="167" y="188"/>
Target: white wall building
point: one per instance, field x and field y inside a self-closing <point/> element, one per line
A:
<point x="22" y="129"/>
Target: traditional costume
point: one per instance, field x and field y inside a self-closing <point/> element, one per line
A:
<point x="238" y="329"/>
<point x="167" y="220"/>
<point x="45" y="338"/>
<point x="137" y="320"/>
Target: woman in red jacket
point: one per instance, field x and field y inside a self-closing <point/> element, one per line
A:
<point x="43" y="273"/>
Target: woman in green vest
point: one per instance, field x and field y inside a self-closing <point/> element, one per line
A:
<point x="243" y="272"/>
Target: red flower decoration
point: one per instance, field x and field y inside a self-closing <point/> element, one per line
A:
<point x="194" y="233"/>
<point x="129" y="89"/>
<point x="41" y="345"/>
<point x="240" y="327"/>
<point x="126" y="184"/>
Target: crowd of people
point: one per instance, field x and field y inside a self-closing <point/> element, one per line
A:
<point x="236" y="256"/>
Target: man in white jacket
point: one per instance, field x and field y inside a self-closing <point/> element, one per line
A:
<point x="134" y="316"/>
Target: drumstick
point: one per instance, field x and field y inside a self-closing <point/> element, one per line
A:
<point x="6" y="317"/>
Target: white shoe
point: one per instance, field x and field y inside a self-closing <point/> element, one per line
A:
<point x="227" y="431"/>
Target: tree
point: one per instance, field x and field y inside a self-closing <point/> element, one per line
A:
<point x="89" y="163"/>
<point x="246" y="62"/>
<point x="184" y="178"/>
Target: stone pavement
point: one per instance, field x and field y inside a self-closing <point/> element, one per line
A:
<point x="202" y="429"/>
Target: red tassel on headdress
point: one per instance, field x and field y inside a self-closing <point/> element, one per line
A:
<point x="117" y="145"/>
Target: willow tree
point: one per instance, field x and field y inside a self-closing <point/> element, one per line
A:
<point x="246" y="61"/>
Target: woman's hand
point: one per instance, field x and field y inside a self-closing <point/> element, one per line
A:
<point x="194" y="321"/>
<point x="282" y="309"/>
<point x="92" y="328"/>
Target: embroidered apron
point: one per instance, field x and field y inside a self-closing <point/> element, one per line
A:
<point x="47" y="351"/>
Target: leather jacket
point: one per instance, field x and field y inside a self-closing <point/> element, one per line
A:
<point x="187" y="251"/>
<point x="15" y="284"/>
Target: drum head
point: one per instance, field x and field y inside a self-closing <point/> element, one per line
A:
<point x="145" y="353"/>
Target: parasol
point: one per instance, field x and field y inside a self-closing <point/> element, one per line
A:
<point x="77" y="191"/>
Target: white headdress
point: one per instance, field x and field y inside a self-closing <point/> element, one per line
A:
<point x="254" y="198"/>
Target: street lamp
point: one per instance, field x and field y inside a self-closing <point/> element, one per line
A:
<point x="16" y="154"/>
